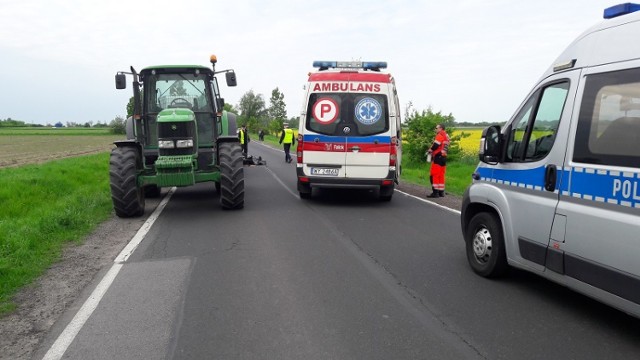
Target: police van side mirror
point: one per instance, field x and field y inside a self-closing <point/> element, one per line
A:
<point x="121" y="81"/>
<point x="490" y="145"/>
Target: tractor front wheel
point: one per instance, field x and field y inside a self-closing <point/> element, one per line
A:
<point x="231" y="176"/>
<point x="127" y="196"/>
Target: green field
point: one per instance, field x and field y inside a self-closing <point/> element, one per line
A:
<point x="20" y="146"/>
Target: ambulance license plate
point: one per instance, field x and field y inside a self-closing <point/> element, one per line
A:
<point x="324" y="171"/>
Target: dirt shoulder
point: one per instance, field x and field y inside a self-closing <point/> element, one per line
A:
<point x="41" y="304"/>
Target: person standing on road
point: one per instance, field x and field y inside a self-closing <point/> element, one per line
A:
<point x="287" y="138"/>
<point x="438" y="154"/>
<point x="243" y="136"/>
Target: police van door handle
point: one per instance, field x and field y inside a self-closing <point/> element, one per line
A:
<point x="550" y="177"/>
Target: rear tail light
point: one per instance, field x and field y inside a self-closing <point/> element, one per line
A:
<point x="393" y="152"/>
<point x="387" y="182"/>
<point x="300" y="148"/>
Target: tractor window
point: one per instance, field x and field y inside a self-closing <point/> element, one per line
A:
<point x="166" y="91"/>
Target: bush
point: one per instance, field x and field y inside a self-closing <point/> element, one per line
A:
<point x="421" y="131"/>
<point x="117" y="126"/>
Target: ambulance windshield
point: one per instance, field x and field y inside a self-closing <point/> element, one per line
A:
<point x="347" y="114"/>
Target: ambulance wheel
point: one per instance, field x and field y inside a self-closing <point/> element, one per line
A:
<point x="231" y="176"/>
<point x="485" y="245"/>
<point x="127" y="196"/>
<point x="386" y="192"/>
<point x="304" y="190"/>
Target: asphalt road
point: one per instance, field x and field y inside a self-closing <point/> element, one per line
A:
<point x="340" y="276"/>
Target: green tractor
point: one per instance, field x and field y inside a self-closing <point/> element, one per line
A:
<point x="178" y="135"/>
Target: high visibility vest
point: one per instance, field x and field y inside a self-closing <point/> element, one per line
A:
<point x="288" y="136"/>
<point x="241" y="134"/>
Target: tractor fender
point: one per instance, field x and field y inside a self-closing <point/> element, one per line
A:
<point x="129" y="128"/>
<point x="229" y="124"/>
<point x="130" y="143"/>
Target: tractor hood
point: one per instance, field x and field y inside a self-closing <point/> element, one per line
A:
<point x="176" y="115"/>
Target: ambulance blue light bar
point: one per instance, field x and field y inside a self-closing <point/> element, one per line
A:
<point x="620" y="9"/>
<point x="367" y="65"/>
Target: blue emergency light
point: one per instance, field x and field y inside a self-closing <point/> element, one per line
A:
<point x="366" y="65"/>
<point x="620" y="9"/>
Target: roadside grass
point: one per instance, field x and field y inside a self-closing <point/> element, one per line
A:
<point x="43" y="207"/>
<point x="458" y="176"/>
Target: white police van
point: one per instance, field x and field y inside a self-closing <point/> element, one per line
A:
<point x="557" y="191"/>
<point x="350" y="129"/>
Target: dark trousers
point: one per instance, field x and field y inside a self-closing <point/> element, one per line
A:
<point x="287" y="156"/>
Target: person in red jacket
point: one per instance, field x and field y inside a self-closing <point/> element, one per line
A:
<point x="438" y="153"/>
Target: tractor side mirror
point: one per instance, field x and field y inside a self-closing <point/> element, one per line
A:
<point x="121" y="81"/>
<point x="231" y="78"/>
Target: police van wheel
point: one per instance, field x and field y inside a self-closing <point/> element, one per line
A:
<point x="485" y="245"/>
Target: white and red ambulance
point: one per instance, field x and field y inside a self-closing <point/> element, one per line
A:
<point x="350" y="129"/>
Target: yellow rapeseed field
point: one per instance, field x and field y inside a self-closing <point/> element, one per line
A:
<point x="469" y="145"/>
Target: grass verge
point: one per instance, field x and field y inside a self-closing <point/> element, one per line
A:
<point x="43" y="207"/>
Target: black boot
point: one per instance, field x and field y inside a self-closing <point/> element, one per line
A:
<point x="434" y="194"/>
<point x="441" y="193"/>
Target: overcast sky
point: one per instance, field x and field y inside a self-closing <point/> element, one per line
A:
<point x="474" y="59"/>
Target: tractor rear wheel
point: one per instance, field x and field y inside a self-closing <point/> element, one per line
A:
<point x="231" y="176"/>
<point x="127" y="196"/>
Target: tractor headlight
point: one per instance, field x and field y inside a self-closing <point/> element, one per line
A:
<point x="166" y="144"/>
<point x="184" y="143"/>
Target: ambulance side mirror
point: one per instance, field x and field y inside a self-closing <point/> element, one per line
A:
<point x="490" y="145"/>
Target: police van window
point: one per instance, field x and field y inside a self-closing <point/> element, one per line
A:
<point x="532" y="136"/>
<point x="608" y="130"/>
<point x="360" y="114"/>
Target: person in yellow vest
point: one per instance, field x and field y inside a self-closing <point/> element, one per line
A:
<point x="243" y="136"/>
<point x="287" y="139"/>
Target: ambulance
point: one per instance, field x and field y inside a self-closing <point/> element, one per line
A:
<point x="557" y="189"/>
<point x="350" y="129"/>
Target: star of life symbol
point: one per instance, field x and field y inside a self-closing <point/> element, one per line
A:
<point x="368" y="111"/>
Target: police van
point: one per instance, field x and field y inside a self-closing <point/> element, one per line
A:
<point x="350" y="129"/>
<point x="557" y="189"/>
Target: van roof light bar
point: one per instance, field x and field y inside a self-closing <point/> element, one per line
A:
<point x="366" y="65"/>
<point x="620" y="9"/>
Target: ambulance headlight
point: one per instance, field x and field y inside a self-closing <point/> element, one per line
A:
<point x="166" y="144"/>
<point x="181" y="144"/>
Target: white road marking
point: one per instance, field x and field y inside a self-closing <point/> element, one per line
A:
<point x="67" y="336"/>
